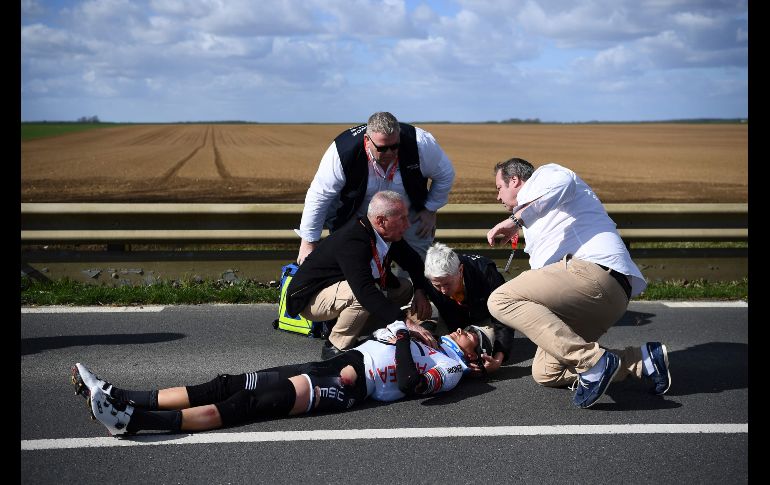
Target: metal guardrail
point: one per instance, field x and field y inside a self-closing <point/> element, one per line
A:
<point x="91" y="223"/>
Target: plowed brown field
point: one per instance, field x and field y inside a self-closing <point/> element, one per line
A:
<point x="275" y="163"/>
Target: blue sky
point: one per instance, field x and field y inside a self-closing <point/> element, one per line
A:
<point x="340" y="60"/>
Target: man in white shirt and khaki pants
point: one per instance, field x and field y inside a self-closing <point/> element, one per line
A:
<point x="581" y="280"/>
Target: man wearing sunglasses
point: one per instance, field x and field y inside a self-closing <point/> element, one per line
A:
<point x="382" y="154"/>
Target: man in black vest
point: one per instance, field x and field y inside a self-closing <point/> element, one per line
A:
<point x="382" y="154"/>
<point x="460" y="286"/>
<point x="348" y="277"/>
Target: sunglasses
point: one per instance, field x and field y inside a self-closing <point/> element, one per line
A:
<point x="383" y="148"/>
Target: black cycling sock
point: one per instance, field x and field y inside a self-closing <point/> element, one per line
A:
<point x="155" y="420"/>
<point x="141" y="399"/>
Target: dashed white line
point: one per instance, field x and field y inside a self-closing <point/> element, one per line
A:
<point x="705" y="304"/>
<point x="368" y="434"/>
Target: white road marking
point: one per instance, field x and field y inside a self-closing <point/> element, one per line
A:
<point x="367" y="434"/>
<point x="92" y="309"/>
<point x="705" y="304"/>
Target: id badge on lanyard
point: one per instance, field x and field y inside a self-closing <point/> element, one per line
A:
<point x="380" y="266"/>
<point x="378" y="263"/>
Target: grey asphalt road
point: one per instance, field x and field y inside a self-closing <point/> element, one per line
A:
<point x="708" y="351"/>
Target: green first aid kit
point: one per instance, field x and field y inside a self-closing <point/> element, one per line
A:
<point x="298" y="324"/>
<point x="284" y="321"/>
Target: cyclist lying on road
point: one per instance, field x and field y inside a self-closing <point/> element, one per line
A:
<point x="386" y="368"/>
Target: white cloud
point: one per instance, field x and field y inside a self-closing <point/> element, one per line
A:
<point x="181" y="8"/>
<point x="720" y="88"/>
<point x="478" y="40"/>
<point x="158" y="31"/>
<point x="618" y="61"/>
<point x="742" y="35"/>
<point x="424" y="15"/>
<point x="246" y="18"/>
<point x="105" y="17"/>
<point x="38" y="40"/>
<point x="297" y="57"/>
<point x="421" y="55"/>
<point x="154" y="84"/>
<point x="694" y="20"/>
<point x="667" y="48"/>
<point x="37" y="86"/>
<point x="218" y="46"/>
<point x="30" y="8"/>
<point x="364" y="19"/>
<point x="334" y="82"/>
<point x="583" y="24"/>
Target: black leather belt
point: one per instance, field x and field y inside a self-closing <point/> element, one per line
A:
<point x="620" y="278"/>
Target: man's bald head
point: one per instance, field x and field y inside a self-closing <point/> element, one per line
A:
<point x="388" y="214"/>
<point x="385" y="203"/>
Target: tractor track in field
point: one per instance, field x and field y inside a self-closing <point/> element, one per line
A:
<point x="163" y="179"/>
<point x="660" y="163"/>
<point x="221" y="169"/>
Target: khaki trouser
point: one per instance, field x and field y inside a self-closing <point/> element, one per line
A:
<point x="337" y="301"/>
<point x="564" y="308"/>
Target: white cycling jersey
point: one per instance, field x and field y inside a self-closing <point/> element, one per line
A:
<point x="443" y="368"/>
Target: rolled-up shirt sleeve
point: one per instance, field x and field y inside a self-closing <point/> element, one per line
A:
<point x="549" y="187"/>
<point x="324" y="190"/>
<point x="435" y="165"/>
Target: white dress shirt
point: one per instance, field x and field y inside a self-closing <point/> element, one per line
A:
<point x="323" y="197"/>
<point x="382" y="250"/>
<point x="565" y="216"/>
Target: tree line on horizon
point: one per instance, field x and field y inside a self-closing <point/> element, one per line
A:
<point x="94" y="119"/>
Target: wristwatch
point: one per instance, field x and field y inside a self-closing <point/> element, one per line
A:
<point x="517" y="221"/>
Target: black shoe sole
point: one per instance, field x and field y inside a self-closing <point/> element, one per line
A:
<point x="330" y="352"/>
<point x="80" y="386"/>
<point x="82" y="389"/>
<point x="668" y="371"/>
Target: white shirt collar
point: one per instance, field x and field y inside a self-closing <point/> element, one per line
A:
<point x="382" y="250"/>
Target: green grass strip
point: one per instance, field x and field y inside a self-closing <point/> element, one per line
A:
<point x="699" y="289"/>
<point x="68" y="292"/>
<point x="32" y="131"/>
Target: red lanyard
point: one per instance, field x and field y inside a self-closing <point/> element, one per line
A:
<point x="376" y="256"/>
<point x="380" y="267"/>
<point x="391" y="172"/>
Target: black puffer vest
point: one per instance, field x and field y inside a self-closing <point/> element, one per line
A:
<point x="355" y="165"/>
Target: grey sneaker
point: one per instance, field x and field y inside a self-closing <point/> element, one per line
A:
<point x="114" y="415"/>
<point x="86" y="382"/>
